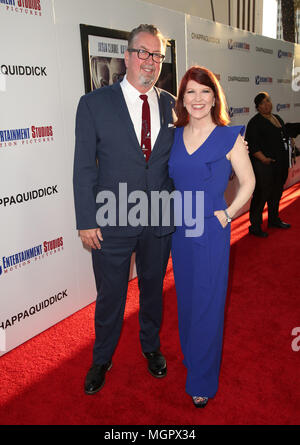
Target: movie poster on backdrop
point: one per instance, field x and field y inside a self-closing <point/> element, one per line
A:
<point x="103" y="59"/>
<point x="107" y="65"/>
<point x="36" y="203"/>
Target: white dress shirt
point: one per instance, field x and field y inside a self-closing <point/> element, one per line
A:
<point x="134" y="104"/>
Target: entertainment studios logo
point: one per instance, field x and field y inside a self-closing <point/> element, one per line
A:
<point x="26" y="7"/>
<point x="280" y="107"/>
<point x="283" y="54"/>
<point x="262" y="79"/>
<point x="238" y="110"/>
<point x="242" y="46"/>
<point x="18" y="260"/>
<point x="24" y="136"/>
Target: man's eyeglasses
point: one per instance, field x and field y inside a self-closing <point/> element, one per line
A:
<point x="144" y="55"/>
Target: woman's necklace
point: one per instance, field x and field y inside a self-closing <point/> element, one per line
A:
<point x="273" y="120"/>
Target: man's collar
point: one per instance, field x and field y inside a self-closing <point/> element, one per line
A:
<point x="133" y="92"/>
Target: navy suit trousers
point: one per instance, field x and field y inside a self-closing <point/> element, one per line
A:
<point x="111" y="266"/>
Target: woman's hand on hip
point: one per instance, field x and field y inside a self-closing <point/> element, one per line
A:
<point x="220" y="214"/>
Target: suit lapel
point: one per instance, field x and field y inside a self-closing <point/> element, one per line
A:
<point x="163" y="116"/>
<point x="121" y="110"/>
<point x="161" y="107"/>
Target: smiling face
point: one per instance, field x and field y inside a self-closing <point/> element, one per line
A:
<point x="198" y="100"/>
<point x="143" y="74"/>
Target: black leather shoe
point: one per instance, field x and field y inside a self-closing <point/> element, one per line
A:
<point x="157" y="365"/>
<point x="257" y="232"/>
<point x="279" y="224"/>
<point x="199" y="401"/>
<point x="95" y="378"/>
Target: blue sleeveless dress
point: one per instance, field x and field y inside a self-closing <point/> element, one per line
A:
<point x="201" y="263"/>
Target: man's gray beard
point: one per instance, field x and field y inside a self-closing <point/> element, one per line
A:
<point x="145" y="81"/>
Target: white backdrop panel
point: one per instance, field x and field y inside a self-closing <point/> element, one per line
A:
<point x="37" y="281"/>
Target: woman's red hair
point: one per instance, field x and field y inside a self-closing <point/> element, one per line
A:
<point x="205" y="77"/>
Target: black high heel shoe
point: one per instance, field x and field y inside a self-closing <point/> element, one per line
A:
<point x="199" y="401"/>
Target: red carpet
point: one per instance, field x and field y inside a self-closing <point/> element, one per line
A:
<point x="42" y="380"/>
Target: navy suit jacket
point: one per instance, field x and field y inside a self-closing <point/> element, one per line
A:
<point x="107" y="153"/>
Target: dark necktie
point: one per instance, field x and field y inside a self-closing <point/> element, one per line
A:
<point x="146" y="127"/>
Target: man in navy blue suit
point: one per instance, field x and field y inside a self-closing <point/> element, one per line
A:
<point x="111" y="150"/>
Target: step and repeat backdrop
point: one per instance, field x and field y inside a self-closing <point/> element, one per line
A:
<point x="45" y="273"/>
<point x="246" y="64"/>
<point x="37" y="277"/>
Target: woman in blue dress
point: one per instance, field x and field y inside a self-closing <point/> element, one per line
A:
<point x="204" y="152"/>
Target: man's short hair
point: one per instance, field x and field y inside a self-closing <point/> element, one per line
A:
<point x="151" y="29"/>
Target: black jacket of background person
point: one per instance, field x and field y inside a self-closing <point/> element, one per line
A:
<point x="263" y="136"/>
